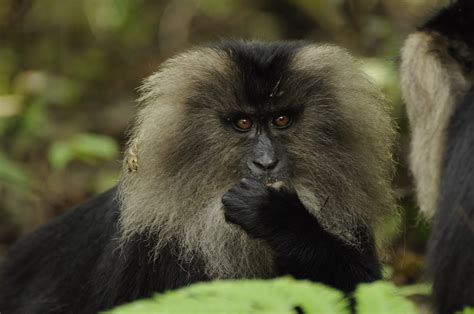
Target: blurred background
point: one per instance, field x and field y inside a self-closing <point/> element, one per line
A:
<point x="69" y="72"/>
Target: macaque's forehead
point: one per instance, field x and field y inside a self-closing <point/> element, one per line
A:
<point x="261" y="68"/>
<point x="255" y="76"/>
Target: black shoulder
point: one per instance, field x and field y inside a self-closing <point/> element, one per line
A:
<point x="50" y="264"/>
<point x="455" y="22"/>
<point x="78" y="264"/>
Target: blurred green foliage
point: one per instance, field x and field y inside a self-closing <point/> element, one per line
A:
<point x="69" y="72"/>
<point x="84" y="147"/>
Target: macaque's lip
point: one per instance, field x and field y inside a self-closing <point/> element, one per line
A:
<point x="270" y="180"/>
<point x="275" y="183"/>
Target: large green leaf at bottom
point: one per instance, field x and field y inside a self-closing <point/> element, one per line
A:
<point x="284" y="295"/>
<point x="381" y="297"/>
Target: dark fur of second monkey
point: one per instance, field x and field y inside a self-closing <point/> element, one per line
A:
<point x="451" y="247"/>
<point x="74" y="264"/>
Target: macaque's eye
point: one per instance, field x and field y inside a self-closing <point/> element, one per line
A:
<point x="242" y="124"/>
<point x="281" y="121"/>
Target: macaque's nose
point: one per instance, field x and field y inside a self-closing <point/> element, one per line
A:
<point x="266" y="162"/>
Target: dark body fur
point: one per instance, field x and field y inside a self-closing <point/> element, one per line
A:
<point x="79" y="263"/>
<point x="75" y="265"/>
<point x="451" y="248"/>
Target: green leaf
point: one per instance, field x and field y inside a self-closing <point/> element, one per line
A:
<point x="416" y="289"/>
<point x="467" y="310"/>
<point x="387" y="272"/>
<point x="283" y="295"/>
<point x="60" y="154"/>
<point x="381" y="297"/>
<point x="65" y="91"/>
<point x="10" y="105"/>
<point x="12" y="174"/>
<point x="89" y="146"/>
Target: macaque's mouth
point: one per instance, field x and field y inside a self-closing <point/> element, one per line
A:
<point x="274" y="182"/>
<point x="270" y="181"/>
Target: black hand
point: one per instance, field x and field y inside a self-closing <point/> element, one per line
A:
<point x="302" y="247"/>
<point x="260" y="210"/>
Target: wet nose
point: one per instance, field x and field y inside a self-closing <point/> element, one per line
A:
<point x="266" y="163"/>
